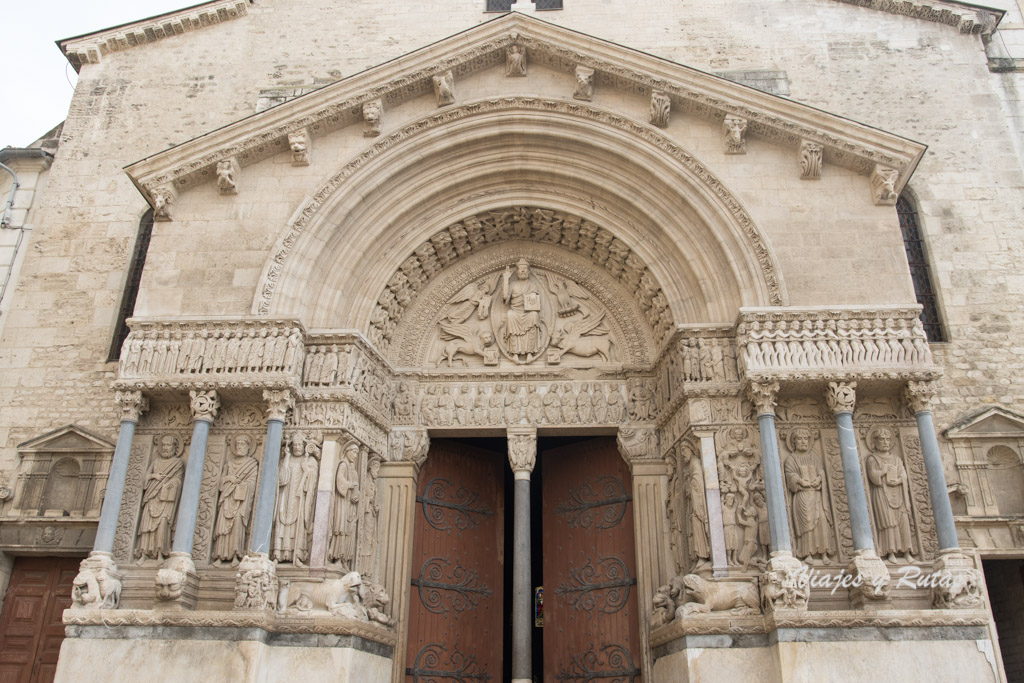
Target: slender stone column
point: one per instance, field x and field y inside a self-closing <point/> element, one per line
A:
<point x="781" y="587"/>
<point x="99" y="568"/>
<point x="177" y="585"/>
<point x="962" y="585"/>
<point x="522" y="454"/>
<point x="256" y="581"/>
<point x="638" y="445"/>
<point x="322" y="506"/>
<point x="713" y="498"/>
<point x="873" y="584"/>
<point x="407" y="450"/>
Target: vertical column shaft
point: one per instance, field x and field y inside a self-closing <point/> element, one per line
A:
<point x="713" y="499"/>
<point x="115" y="488"/>
<point x="775" y="494"/>
<point x="263" y="510"/>
<point x="853" y="479"/>
<point x="941" y="508"/>
<point x="522" y="455"/>
<point x="322" y="506"/>
<point x="188" y="507"/>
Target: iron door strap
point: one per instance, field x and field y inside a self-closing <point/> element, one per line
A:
<point x="581" y="509"/>
<point x="613" y="664"/>
<point x="434" y="663"/>
<point x="446" y="509"/>
<point x="602" y="586"/>
<point x="460" y="588"/>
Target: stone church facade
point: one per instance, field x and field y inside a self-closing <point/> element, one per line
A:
<point x="524" y="345"/>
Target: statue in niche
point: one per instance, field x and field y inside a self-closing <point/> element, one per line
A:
<point x="371" y="515"/>
<point x="234" y="507"/>
<point x="160" y="499"/>
<point x="515" y="60"/>
<point x="673" y="513"/>
<point x="697" y="520"/>
<point x="296" y="483"/>
<point x="890" y="497"/>
<point x="344" y="514"/>
<point x="523" y="333"/>
<point x="805" y="479"/>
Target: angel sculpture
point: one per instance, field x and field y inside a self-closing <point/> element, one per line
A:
<point x="475" y="296"/>
<point x="572" y="338"/>
<point x="564" y="290"/>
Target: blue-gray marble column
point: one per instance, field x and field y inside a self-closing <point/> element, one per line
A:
<point x="841" y="398"/>
<point x="266" y="495"/>
<point x="204" y="409"/>
<point x="132" y="404"/>
<point x="522" y="454"/>
<point x="763" y="395"/>
<point x="918" y="396"/>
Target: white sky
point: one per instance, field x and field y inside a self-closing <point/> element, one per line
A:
<point x="34" y="87"/>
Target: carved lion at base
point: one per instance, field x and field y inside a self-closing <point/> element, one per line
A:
<point x="345" y="597"/>
<point x="718" y="596"/>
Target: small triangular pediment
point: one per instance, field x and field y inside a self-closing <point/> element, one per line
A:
<point x="777" y="120"/>
<point x="67" y="439"/>
<point x="990" y="423"/>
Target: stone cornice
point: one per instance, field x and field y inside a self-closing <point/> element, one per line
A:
<point x="965" y="17"/>
<point x="90" y="48"/>
<point x="784" y="121"/>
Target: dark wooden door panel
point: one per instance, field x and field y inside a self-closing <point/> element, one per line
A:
<point x="591" y="627"/>
<point x="31" y="627"/>
<point x="455" y="616"/>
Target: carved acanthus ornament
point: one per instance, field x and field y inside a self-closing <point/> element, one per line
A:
<point x="444" y="88"/>
<point x="841" y="396"/>
<point x="583" y="88"/>
<point x="734" y="129"/>
<point x="661" y="108"/>
<point x="204" y="405"/>
<point x="638" y="443"/>
<point x="764" y="396"/>
<point x="409" y="444"/>
<point x="227" y="176"/>
<point x="810" y="160"/>
<point x="299" y="144"/>
<point x="883" y="185"/>
<point x="919" y="395"/>
<point x="279" y="402"/>
<point x="132" y="404"/>
<point x="522" y="451"/>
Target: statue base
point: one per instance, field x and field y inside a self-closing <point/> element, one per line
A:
<point x="177" y="584"/>
<point x="957" y="582"/>
<point x="785" y="583"/>
<point x="256" y="584"/>
<point x="98" y="583"/>
<point x="870" y="588"/>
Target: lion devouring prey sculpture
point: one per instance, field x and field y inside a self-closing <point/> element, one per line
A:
<point x="347" y="597"/>
<point x="692" y="594"/>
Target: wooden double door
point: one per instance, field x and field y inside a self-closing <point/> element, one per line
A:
<point x="583" y="552"/>
<point x="31" y="626"/>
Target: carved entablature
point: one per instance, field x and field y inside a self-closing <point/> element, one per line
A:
<point x="833" y="344"/>
<point x="343" y="365"/>
<point x="211" y="354"/>
<point x="62" y="474"/>
<point x="518" y="287"/>
<point x="333" y="416"/>
<point x="696" y="362"/>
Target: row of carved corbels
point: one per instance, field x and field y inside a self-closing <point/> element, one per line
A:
<point x="840" y="396"/>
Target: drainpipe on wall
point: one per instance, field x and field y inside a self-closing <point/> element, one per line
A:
<point x="5" y="218"/>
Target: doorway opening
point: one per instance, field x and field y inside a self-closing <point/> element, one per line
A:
<point x="1005" y="580"/>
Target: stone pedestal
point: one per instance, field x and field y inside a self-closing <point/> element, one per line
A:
<point x="871" y="581"/>
<point x="958" y="582"/>
<point x="784" y="583"/>
<point x="177" y="584"/>
<point x="256" y="585"/>
<point x="98" y="583"/>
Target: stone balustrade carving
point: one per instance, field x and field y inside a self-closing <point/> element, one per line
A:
<point x="833" y="344"/>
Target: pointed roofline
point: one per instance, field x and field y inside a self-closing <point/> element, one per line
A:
<point x="38" y="443"/>
<point x="846" y="143"/>
<point x="89" y="48"/>
<point x="959" y="429"/>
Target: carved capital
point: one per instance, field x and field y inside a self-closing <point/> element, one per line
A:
<point x="841" y="396"/>
<point x="661" y="107"/>
<point x="409" y="444"/>
<point x="810" y="160"/>
<point x="883" y="185"/>
<point x="638" y="443"/>
<point x="163" y="202"/>
<point x="919" y="395"/>
<point x="132" y="405"/>
<point x="299" y="143"/>
<point x="734" y="129"/>
<point x="279" y="402"/>
<point x="204" y="404"/>
<point x="763" y="395"/>
<point x="522" y="451"/>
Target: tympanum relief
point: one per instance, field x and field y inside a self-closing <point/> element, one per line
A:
<point x="520" y="315"/>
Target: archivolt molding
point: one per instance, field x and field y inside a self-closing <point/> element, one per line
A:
<point x="756" y="242"/>
<point x="845" y="143"/>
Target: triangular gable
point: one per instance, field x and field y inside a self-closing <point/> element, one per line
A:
<point x="782" y="121"/>
<point x="993" y="423"/>
<point x="69" y="438"/>
<point x="965" y="17"/>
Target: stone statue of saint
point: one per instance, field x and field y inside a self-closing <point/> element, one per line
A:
<point x="371" y="514"/>
<point x="805" y="479"/>
<point x="522" y="332"/>
<point x="890" y="497"/>
<point x="234" y="507"/>
<point x="697" y="520"/>
<point x="160" y="499"/>
<point x="345" y="513"/>
<point x="296" y="483"/>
